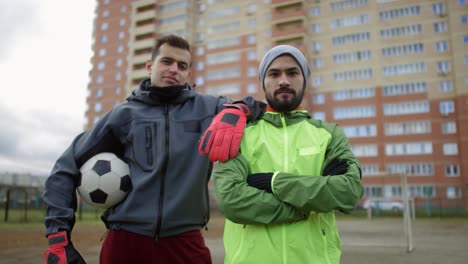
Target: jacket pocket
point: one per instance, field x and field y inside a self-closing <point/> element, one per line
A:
<point x="143" y="138"/>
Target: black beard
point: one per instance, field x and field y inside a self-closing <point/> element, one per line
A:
<point x="285" y="105"/>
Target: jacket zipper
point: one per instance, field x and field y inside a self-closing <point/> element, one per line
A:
<point x="163" y="175"/>
<point x="149" y="145"/>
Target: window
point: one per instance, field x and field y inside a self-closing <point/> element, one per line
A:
<point x="445" y="86"/>
<point x="404" y="88"/>
<point x="315" y="11"/>
<point x="464" y="19"/>
<point x="355" y="93"/>
<point x="450" y="149"/>
<point x="99" y="93"/>
<point x="224" y="89"/>
<point x="118" y="62"/>
<point x="317" y="62"/>
<point x="410" y="148"/>
<point x="99" y="79"/>
<point x="446" y="107"/>
<point x="354" y="112"/>
<point x="449" y="127"/>
<point x="252" y="88"/>
<point x="98" y="107"/>
<point x="441" y="46"/>
<point x="369" y="168"/>
<point x="200" y="51"/>
<point x="117" y="90"/>
<point x="102" y="52"/>
<point x="452" y="170"/>
<point x="404" y="128"/>
<point x="404" y="108"/>
<point x="252" y="55"/>
<point x="104" y="38"/>
<point x="101" y="65"/>
<point x="105" y="13"/>
<point x="252" y="71"/>
<point x="122" y="22"/>
<point x="438" y="9"/>
<point x="118" y="76"/>
<point x="199" y="65"/>
<point x="252" y="39"/>
<point x="454" y="192"/>
<point x="121" y="35"/>
<point x="443" y="67"/>
<point x="120" y="48"/>
<point x="411" y="169"/>
<point x="104" y="26"/>
<point x="319" y="115"/>
<point x="360" y="131"/>
<point x="373" y="191"/>
<point x="318" y="98"/>
<point x="317" y="81"/>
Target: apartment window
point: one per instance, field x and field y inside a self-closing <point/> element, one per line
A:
<point x="360" y="131"/>
<point x="445" y="86"/>
<point x="117" y="90"/>
<point x="199" y="65"/>
<point x="98" y="107"/>
<point x="199" y="51"/>
<point x="465" y="59"/>
<point x="447" y="107"/>
<point x="351" y="38"/>
<point x="425" y="191"/>
<point x="403" y="50"/>
<point x="404" y="108"/>
<point x="251" y="8"/>
<point x="106" y="2"/>
<point x="355" y="93"/>
<point x="101" y="65"/>
<point x="449" y="127"/>
<point x="252" y="71"/>
<point x="347" y="4"/>
<point x="223" y="27"/>
<point x="224" y="89"/>
<point x="350" y="21"/>
<point x="118" y="62"/>
<point x="452" y="170"/>
<point x="369" y="169"/>
<point x="104" y="39"/>
<point x="359" y="74"/>
<point x="99" y="93"/>
<point x="462" y="2"/>
<point x="102" y="52"/>
<point x="267" y="16"/>
<point x="199" y="81"/>
<point x="96" y="119"/>
<point x="407" y="30"/>
<point x="441" y="46"/>
<point x="319" y="116"/>
<point x="251" y="39"/>
<point x="318" y="98"/>
<point x="316" y="28"/>
<point x="438" y="9"/>
<point x="224" y="12"/>
<point x="122" y="22"/>
<point x="373" y="191"/>
<point x="120" y="48"/>
<point x="411" y="169"/>
<point x="121" y="35"/>
<point x="104" y="26"/>
<point x="316" y="46"/>
<point x="267" y="32"/>
<point x="221" y="43"/>
<point x="317" y="63"/>
<point x="404" y="88"/>
<point x="201" y="8"/>
<point x="440" y="27"/>
<point x="99" y="79"/>
<point x="252" y="22"/>
<point x="410" y="148"/>
<point x="200" y="36"/>
<point x="252" y="55"/>
<point x="407" y="128"/>
<point x="454" y="192"/>
<point x="354" y="112"/>
<point x="403" y="69"/>
<point x="443" y="67"/>
<point x="450" y="149"/>
<point x="317" y="81"/>
<point x="105" y="13"/>
<point x="224" y="73"/>
<point x="118" y="76"/>
<point x="399" y="13"/>
<point x="464" y="19"/>
<point x="315" y="11"/>
<point x="353" y="56"/>
<point x="370" y="150"/>
<point x="252" y="88"/>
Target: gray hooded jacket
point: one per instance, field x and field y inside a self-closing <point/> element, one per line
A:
<point x="159" y="141"/>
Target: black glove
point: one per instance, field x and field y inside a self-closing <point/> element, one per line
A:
<point x="335" y="167"/>
<point x="61" y="250"/>
<point x="261" y="181"/>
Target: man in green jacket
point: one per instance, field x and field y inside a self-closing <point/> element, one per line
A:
<point x="280" y="193"/>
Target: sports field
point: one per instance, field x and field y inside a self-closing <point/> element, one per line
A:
<point x="380" y="240"/>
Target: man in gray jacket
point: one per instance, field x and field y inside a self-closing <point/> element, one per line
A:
<point x="156" y="132"/>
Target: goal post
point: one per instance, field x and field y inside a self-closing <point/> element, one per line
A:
<point x="408" y="204"/>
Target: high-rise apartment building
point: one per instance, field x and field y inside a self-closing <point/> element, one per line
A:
<point x="392" y="73"/>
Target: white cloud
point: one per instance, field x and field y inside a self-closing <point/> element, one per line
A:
<point x="44" y="67"/>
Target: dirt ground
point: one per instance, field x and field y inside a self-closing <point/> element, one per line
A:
<point x="363" y="241"/>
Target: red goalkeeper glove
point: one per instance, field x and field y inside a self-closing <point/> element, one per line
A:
<point x="61" y="250"/>
<point x="223" y="137"/>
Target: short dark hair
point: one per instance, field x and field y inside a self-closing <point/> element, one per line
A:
<point x="172" y="40"/>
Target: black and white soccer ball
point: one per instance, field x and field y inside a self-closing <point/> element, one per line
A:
<point x="105" y="180"/>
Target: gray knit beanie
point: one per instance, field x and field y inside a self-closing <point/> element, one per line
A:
<point x="277" y="51"/>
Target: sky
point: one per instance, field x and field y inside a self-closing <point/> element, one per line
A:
<point x="45" y="54"/>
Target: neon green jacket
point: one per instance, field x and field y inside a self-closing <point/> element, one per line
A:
<point x="295" y="223"/>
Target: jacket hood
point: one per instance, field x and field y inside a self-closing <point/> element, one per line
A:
<point x="145" y="93"/>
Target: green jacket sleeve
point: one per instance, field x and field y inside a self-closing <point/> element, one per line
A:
<point x="243" y="204"/>
<point x="324" y="193"/>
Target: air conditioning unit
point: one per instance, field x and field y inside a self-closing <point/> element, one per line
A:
<point x="442" y="14"/>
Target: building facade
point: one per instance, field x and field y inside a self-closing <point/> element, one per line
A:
<point x="392" y="73"/>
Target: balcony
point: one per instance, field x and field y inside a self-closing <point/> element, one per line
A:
<point x="287" y="15"/>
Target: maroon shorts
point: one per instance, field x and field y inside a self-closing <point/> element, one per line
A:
<point x="123" y="247"/>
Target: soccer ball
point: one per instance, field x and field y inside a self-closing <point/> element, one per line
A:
<point x="105" y="180"/>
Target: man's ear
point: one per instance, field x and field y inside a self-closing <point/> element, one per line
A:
<point x="149" y="64"/>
